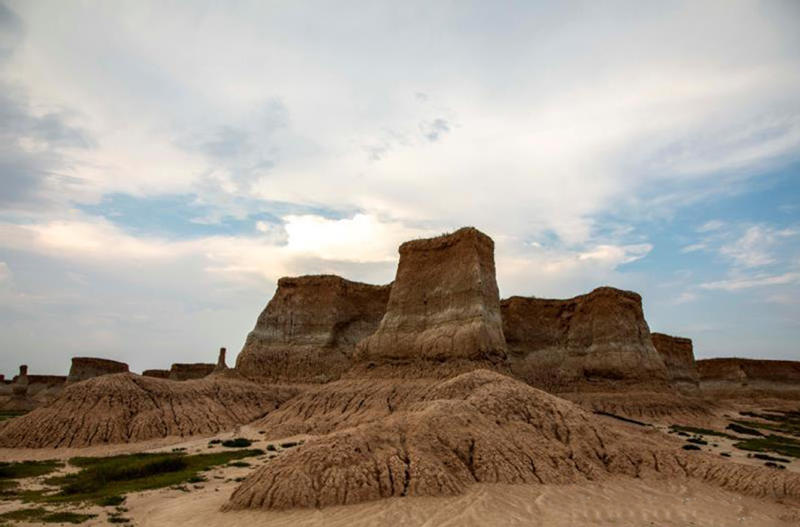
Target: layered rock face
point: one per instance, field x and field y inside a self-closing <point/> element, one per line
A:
<point x="594" y="337"/>
<point x="159" y="374"/>
<point x="444" y="304"/>
<point x="749" y="376"/>
<point x="185" y="372"/>
<point x="88" y="367"/>
<point x="678" y="355"/>
<point x="309" y="329"/>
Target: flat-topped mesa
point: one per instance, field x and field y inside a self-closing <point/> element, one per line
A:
<point x="678" y="355"/>
<point x="184" y="372"/>
<point x="444" y="306"/>
<point x="158" y="374"/>
<point x="88" y="367"/>
<point x="735" y="376"/>
<point x="309" y="329"/>
<point x="599" y="336"/>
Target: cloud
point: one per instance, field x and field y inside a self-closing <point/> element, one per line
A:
<point x="761" y="280"/>
<point x="711" y="225"/>
<point x="694" y="248"/>
<point x="434" y="130"/>
<point x="754" y="248"/>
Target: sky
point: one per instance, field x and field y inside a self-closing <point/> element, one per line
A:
<point x="162" y="164"/>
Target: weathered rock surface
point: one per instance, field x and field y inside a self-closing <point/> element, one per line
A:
<point x="733" y="376"/>
<point x="125" y="407"/>
<point x="309" y="329"/>
<point x="444" y="304"/>
<point x="185" y="372"/>
<point x="159" y="374"/>
<point x="600" y="336"/>
<point x="87" y="367"/>
<point x="678" y="355"/>
<point x="478" y="427"/>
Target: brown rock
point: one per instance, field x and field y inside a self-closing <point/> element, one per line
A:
<point x="308" y="331"/>
<point x="159" y="374"/>
<point x="733" y="376"/>
<point x="125" y="407"/>
<point x="221" y="364"/>
<point x="444" y="304"/>
<point x="184" y="372"/>
<point x="87" y="367"/>
<point x="479" y="427"/>
<point x="678" y="356"/>
<point x="600" y="336"/>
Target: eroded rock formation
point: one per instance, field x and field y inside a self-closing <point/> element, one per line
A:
<point x="87" y="367"/>
<point x="479" y="427"/>
<point x="125" y="407"/>
<point x="159" y="374"/>
<point x="309" y="329"/>
<point x="443" y="306"/>
<point x="600" y="336"/>
<point x="733" y="376"/>
<point x="185" y="372"/>
<point x="678" y="356"/>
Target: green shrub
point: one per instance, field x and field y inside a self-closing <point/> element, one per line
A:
<point x="239" y="442"/>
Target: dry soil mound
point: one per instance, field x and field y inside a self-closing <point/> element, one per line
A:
<point x="594" y="337"/>
<point x="480" y="427"/>
<point x="126" y="407"/>
<point x="443" y="306"/>
<point x="308" y="331"/>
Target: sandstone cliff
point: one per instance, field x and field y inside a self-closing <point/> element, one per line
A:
<point x="309" y="329"/>
<point x="444" y="304"/>
<point x="733" y="376"/>
<point x="87" y="367"/>
<point x="159" y="374"/>
<point x="678" y="356"/>
<point x="600" y="336"/>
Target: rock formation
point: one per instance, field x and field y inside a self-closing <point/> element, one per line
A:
<point x="309" y="329"/>
<point x="747" y="377"/>
<point x="20" y="401"/>
<point x="480" y="427"/>
<point x="678" y="357"/>
<point x="443" y="306"/>
<point x="600" y="336"/>
<point x="221" y="364"/>
<point x="125" y="407"/>
<point x="87" y="367"/>
<point x="184" y="372"/>
<point x="159" y="374"/>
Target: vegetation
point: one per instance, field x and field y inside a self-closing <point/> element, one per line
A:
<point x="239" y="464"/>
<point x="10" y="414"/>
<point x="766" y="457"/>
<point x="697" y="441"/>
<point x="105" y="480"/>
<point x="41" y="515"/>
<point x="699" y="431"/>
<point x="27" y="469"/>
<point x="784" y="446"/>
<point x="691" y="447"/>
<point x="739" y="429"/>
<point x="239" y="442"/>
<point x="779" y="421"/>
<point x="289" y="444"/>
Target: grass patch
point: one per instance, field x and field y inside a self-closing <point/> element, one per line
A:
<point x="239" y="442"/>
<point x="690" y="447"/>
<point x="767" y="457"/>
<point x="784" y="446"/>
<point x="774" y="465"/>
<point x="699" y="431"/>
<point x="27" y="469"/>
<point x="740" y="429"/>
<point x="239" y="464"/>
<point x="697" y="441"/>
<point x="41" y="515"/>
<point x="118" y="519"/>
<point x="786" y="422"/>
<point x="105" y="480"/>
<point x="11" y="414"/>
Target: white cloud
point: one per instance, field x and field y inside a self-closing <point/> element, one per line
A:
<point x="711" y="225"/>
<point x="694" y="248"/>
<point x="755" y="247"/>
<point x="736" y="284"/>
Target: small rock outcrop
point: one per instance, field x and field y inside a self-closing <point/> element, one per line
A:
<point x="20" y="401"/>
<point x="159" y="374"/>
<point x="88" y="367"/>
<point x="309" y="329"/>
<point x="599" y="336"/>
<point x="745" y="377"/>
<point x="221" y="364"/>
<point x="185" y="372"/>
<point x="444" y="304"/>
<point x="678" y="355"/>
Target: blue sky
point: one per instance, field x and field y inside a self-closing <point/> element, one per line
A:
<point x="163" y="164"/>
